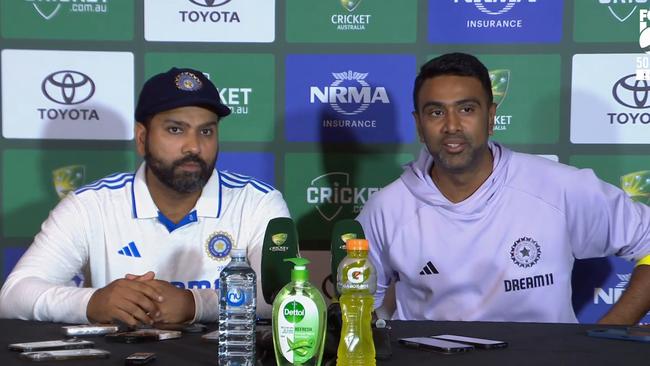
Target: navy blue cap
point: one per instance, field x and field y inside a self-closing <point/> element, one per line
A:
<point x="178" y="88"/>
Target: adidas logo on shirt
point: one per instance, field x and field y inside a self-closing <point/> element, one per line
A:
<point x="428" y="269"/>
<point x="130" y="251"/>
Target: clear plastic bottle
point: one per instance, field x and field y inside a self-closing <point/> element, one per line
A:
<point x="356" y="281"/>
<point x="237" y="311"/>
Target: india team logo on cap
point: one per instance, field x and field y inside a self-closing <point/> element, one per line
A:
<point x="525" y="252"/>
<point x="218" y="246"/>
<point x="187" y="81"/>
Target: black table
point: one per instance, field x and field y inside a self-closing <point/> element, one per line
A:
<point x="529" y="344"/>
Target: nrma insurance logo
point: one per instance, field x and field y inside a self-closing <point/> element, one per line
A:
<point x="332" y="193"/>
<point x="490" y="21"/>
<point x="350" y="95"/>
<point x="500" y="80"/>
<point x="48" y="9"/>
<point x="349" y="98"/>
<point x="611" y="295"/>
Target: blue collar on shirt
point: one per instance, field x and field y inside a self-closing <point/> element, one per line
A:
<point x="169" y="224"/>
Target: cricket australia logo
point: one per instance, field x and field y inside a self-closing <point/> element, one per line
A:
<point x="637" y="185"/>
<point x="500" y="80"/>
<point x="350" y="5"/>
<point x="350" y="94"/>
<point x="67" y="179"/>
<point x="525" y="252"/>
<point x="330" y="192"/>
<point x="218" y="246"/>
<point x="278" y="242"/>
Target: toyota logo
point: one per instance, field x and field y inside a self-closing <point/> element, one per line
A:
<point x="632" y="93"/>
<point x="68" y="87"/>
<point x="210" y="3"/>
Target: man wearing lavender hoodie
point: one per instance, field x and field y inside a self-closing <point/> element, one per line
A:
<point x="475" y="231"/>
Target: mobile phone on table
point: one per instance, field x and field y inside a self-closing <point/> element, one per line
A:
<point x="433" y="344"/>
<point x="89" y="329"/>
<point x="139" y="358"/>
<point x="65" y="354"/>
<point x="70" y="343"/>
<point x="476" y="342"/>
<point x="143" y="335"/>
<point x="620" y="333"/>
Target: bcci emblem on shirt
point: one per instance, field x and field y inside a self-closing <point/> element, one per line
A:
<point x="218" y="246"/>
<point x="525" y="252"/>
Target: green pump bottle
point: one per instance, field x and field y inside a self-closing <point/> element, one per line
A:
<point x="299" y="320"/>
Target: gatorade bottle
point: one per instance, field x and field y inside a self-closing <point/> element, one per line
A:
<point x="356" y="282"/>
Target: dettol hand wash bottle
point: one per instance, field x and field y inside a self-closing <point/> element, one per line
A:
<point x="299" y="320"/>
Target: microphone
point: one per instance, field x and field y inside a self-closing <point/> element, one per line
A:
<point x="280" y="242"/>
<point x="343" y="231"/>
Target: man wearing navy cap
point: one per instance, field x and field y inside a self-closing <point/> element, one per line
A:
<point x="153" y="242"/>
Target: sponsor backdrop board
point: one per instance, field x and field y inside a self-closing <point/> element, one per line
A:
<point x="321" y="95"/>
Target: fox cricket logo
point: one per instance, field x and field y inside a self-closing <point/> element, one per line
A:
<point x="218" y="246"/>
<point x="278" y="240"/>
<point x="205" y="12"/>
<point x="48" y="9"/>
<point x="349" y="21"/>
<point x="525" y="252"/>
<point x="500" y="80"/>
<point x="621" y="10"/>
<point x="611" y="295"/>
<point x="637" y="186"/>
<point x="643" y="63"/>
<point x="67" y="179"/>
<point x="331" y="192"/>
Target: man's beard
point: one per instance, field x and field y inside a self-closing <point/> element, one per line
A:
<point x="181" y="182"/>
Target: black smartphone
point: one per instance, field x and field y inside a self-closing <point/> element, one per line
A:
<point x="65" y="354"/>
<point x="139" y="358"/>
<point x="437" y="345"/>
<point x="381" y="338"/>
<point x="143" y="335"/>
<point x="70" y="343"/>
<point x="476" y="342"/>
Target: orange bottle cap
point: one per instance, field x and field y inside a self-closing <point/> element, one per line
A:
<point x="356" y="244"/>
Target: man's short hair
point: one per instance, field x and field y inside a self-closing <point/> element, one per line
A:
<point x="456" y="64"/>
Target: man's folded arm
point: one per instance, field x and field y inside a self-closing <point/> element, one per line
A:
<point x="40" y="286"/>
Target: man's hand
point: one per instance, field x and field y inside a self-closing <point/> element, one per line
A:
<point x="634" y="304"/>
<point x="128" y="301"/>
<point x="178" y="306"/>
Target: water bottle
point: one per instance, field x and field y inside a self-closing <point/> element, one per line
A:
<point x="237" y="312"/>
<point x="356" y="282"/>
